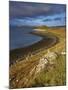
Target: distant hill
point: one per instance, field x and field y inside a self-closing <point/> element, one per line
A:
<point x="42" y="27"/>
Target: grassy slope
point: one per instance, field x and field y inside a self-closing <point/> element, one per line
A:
<point x="51" y="75"/>
<point x="54" y="75"/>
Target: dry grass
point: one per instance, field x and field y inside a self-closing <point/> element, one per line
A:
<point x="51" y="75"/>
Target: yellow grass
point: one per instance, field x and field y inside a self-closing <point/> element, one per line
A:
<point x="51" y="75"/>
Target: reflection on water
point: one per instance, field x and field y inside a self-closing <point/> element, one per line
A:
<point x="20" y="37"/>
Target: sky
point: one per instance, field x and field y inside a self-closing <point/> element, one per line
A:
<point x="31" y="14"/>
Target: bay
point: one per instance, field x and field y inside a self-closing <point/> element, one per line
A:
<point x="20" y="37"/>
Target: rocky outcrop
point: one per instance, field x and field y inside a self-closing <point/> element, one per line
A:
<point x="48" y="58"/>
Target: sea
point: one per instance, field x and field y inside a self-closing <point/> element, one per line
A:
<point x="21" y="37"/>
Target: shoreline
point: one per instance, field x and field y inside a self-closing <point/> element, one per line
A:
<point x="24" y="70"/>
<point x="46" y="42"/>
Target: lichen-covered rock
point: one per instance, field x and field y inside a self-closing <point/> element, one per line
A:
<point x="51" y="56"/>
<point x="41" y="64"/>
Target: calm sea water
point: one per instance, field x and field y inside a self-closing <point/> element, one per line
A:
<point x="20" y="37"/>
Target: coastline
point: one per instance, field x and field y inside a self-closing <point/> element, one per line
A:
<point x="24" y="70"/>
<point x="47" y="41"/>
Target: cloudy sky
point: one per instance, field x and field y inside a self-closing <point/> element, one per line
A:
<point x="26" y="13"/>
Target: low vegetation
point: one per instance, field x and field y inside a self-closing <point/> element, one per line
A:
<point x="45" y="68"/>
<point x="52" y="75"/>
<point x="42" y="27"/>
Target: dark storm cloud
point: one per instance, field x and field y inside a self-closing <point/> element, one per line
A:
<point x="25" y="9"/>
<point x="47" y="20"/>
<point x="58" y="18"/>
